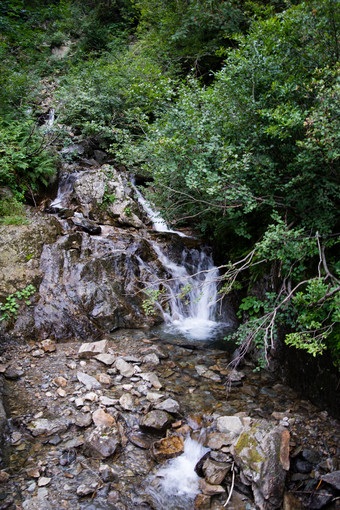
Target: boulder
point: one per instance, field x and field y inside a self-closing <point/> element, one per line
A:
<point x="91" y="349"/>
<point x="215" y="472"/>
<point x="262" y="453"/>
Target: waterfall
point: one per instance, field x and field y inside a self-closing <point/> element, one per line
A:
<point x="191" y="289"/>
<point x="65" y="190"/>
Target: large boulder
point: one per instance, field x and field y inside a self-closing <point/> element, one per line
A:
<point x="262" y="453"/>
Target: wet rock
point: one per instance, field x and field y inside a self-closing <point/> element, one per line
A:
<point x="208" y="374"/>
<point x="153" y="396"/>
<point x="156" y="420"/>
<point x="333" y="479"/>
<point x="107" y="473"/>
<point x="167" y="448"/>
<point x="104" y="379"/>
<point x="210" y="490"/>
<point x="262" y="453"/>
<point x="151" y="359"/>
<point x="126" y="401"/>
<point x="86" y="490"/>
<point x="235" y="378"/>
<point x="169" y="405"/>
<point x="60" y="381"/>
<point x="67" y="457"/>
<point x="13" y="372"/>
<point x="221" y="457"/>
<point x="101" y="418"/>
<point x="290" y="502"/>
<point x="202" y="502"/>
<point x="141" y="440"/>
<point x="320" y="500"/>
<point x="91" y="349"/>
<point x="107" y="401"/>
<point x="153" y="379"/>
<point x="215" y="472"/>
<point x="229" y="425"/>
<point x="46" y="427"/>
<point x="102" y="442"/>
<point x="88" y="381"/>
<point x="217" y="440"/>
<point x="302" y="466"/>
<point x="61" y="393"/>
<point x="88" y="226"/>
<point x="311" y="456"/>
<point x="82" y="420"/>
<point x="43" y="481"/>
<point x="125" y="368"/>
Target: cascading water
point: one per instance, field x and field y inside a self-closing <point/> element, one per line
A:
<point x="175" y="485"/>
<point x="191" y="289"/>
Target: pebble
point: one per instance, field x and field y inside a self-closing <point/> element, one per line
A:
<point x="44" y="480"/>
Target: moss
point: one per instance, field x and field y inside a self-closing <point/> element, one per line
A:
<point x="246" y="449"/>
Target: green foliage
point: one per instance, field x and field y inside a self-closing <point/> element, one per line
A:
<point x="149" y="303"/>
<point x="9" y="309"/>
<point x="12" y="211"/>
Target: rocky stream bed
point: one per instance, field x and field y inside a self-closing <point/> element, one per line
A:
<point x="90" y="425"/>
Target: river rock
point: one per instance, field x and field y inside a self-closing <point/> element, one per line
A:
<point x="262" y="453"/>
<point x="202" y="502"/>
<point x="4" y="477"/>
<point x="91" y="349"/>
<point x="86" y="490"/>
<point x="156" y="420"/>
<point x="151" y="359"/>
<point x="152" y="378"/>
<point x="101" y="418"/>
<point x="13" y="372"/>
<point x="125" y="368"/>
<point x="88" y="381"/>
<point x="107" y="359"/>
<point x="229" y="425"/>
<point x="167" y="448"/>
<point x="209" y="489"/>
<point x="102" y="442"/>
<point x="169" y="405"/>
<point x="88" y="226"/>
<point x="215" y="472"/>
<point x="46" y="427"/>
<point x="217" y="440"/>
<point x="126" y="401"/>
<point x="207" y="373"/>
<point x="140" y="439"/>
<point x="107" y="473"/>
<point x="333" y="479"/>
<point x="107" y="401"/>
<point x="48" y="345"/>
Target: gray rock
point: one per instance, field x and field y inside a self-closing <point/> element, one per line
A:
<point x="215" y="472"/>
<point x="88" y="226"/>
<point x="107" y="473"/>
<point x="126" y="401"/>
<point x="107" y="359"/>
<point x="86" y="490"/>
<point x="217" y="440"/>
<point x="208" y="374"/>
<point x="333" y="479"/>
<point x="89" y="350"/>
<point x="229" y="425"/>
<point x="102" y="442"/>
<point x="13" y="372"/>
<point x="169" y="405"/>
<point x="125" y="368"/>
<point x="46" y="427"/>
<point x="151" y="358"/>
<point x="209" y="489"/>
<point x="156" y="420"/>
<point x="88" y="381"/>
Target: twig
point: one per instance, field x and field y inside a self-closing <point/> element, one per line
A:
<point x="232" y="485"/>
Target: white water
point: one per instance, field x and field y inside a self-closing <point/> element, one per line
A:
<point x="65" y="190"/>
<point x="158" y="222"/>
<point x="175" y="485"/>
<point x="50" y="120"/>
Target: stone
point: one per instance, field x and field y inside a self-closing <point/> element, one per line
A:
<point x="88" y="226"/>
<point x="229" y="425"/>
<point x="88" y="381"/>
<point x="106" y="358"/>
<point x="107" y="473"/>
<point x="156" y="419"/>
<point x="4" y="477"/>
<point x="303" y="466"/>
<point x="67" y="457"/>
<point x="333" y="479"/>
<point x="151" y="358"/>
<point x="91" y="396"/>
<point x="100" y="417"/>
<point x="169" y="405"/>
<point x="102" y="442"/>
<point x="262" y="453"/>
<point x="167" y="448"/>
<point x="320" y="500"/>
<point x="91" y="349"/>
<point x="221" y="457"/>
<point x="61" y="393"/>
<point x="210" y="490"/>
<point x="43" y="481"/>
<point x="290" y="502"/>
<point x="107" y="401"/>
<point x="202" y="502"/>
<point x="126" y="401"/>
<point x="217" y="440"/>
<point x="60" y="381"/>
<point x="38" y="353"/>
<point x="46" y="427"/>
<point x="13" y="372"/>
<point x="312" y="456"/>
<point x="153" y="396"/>
<point x="141" y="440"/>
<point x="215" y="472"/>
<point x="153" y="379"/>
<point x="125" y="368"/>
<point x="104" y="379"/>
<point x="208" y="374"/>
<point x="48" y="345"/>
<point x="86" y="490"/>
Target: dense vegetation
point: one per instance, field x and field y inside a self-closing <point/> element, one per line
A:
<point x="231" y="111"/>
